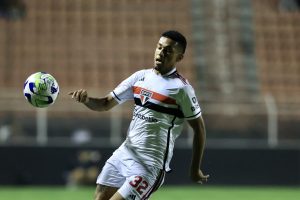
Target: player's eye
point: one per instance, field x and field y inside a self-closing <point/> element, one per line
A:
<point x="168" y="51"/>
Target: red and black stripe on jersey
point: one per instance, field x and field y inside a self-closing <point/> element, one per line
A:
<point x="156" y="107"/>
<point x="171" y="111"/>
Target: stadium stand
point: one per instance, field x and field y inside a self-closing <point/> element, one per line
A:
<point x="84" y="44"/>
<point x="277" y="48"/>
<point x="238" y="52"/>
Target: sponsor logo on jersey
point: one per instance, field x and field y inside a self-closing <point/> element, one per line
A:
<point x="143" y="117"/>
<point x="145" y="96"/>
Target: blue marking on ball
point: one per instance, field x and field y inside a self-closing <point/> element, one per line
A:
<point x="50" y="100"/>
<point x="53" y="90"/>
<point x="28" y="96"/>
<point x="31" y="86"/>
<point x="25" y="84"/>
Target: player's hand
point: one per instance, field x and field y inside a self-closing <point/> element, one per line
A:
<point x="80" y="96"/>
<point x="198" y="176"/>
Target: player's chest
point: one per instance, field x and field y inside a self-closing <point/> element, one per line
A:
<point x="155" y="89"/>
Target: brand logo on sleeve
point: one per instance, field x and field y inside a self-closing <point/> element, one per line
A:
<point x="194" y="99"/>
<point x="196" y="105"/>
<point x="145" y="96"/>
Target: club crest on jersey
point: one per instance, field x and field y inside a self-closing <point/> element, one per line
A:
<point x="145" y="96"/>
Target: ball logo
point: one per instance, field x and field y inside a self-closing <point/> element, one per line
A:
<point x="145" y="96"/>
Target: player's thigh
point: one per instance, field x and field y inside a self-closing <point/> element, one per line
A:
<point x="141" y="182"/>
<point x="104" y="192"/>
<point x="109" y="180"/>
<point x="111" y="176"/>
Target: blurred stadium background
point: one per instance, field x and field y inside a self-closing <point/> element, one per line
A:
<point x="243" y="59"/>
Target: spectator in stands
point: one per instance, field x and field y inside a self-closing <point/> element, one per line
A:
<point x="85" y="169"/>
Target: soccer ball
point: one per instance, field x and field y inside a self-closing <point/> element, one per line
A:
<point x="41" y="89"/>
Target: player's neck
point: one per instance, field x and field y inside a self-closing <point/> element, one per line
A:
<point x="165" y="73"/>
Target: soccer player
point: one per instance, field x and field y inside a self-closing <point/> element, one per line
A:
<point x="163" y="101"/>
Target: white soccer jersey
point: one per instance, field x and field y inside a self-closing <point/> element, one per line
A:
<point x="162" y="103"/>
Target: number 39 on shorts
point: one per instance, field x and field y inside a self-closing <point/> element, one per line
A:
<point x="139" y="184"/>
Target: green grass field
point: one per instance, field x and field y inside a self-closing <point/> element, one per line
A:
<point x="165" y="193"/>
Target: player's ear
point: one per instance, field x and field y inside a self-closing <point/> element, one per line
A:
<point x="179" y="57"/>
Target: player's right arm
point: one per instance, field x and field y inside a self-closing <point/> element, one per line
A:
<point x="96" y="104"/>
<point x="120" y="94"/>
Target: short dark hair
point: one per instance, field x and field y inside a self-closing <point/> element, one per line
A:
<point x="176" y="36"/>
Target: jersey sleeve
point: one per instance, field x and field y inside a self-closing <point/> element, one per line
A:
<point x="123" y="92"/>
<point x="189" y="103"/>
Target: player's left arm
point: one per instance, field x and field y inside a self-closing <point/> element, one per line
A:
<point x="199" y="139"/>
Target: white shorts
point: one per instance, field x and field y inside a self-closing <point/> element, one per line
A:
<point x="134" y="180"/>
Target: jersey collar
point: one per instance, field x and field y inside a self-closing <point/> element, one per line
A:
<point x="167" y="74"/>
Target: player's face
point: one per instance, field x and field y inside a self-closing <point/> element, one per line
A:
<point x="167" y="54"/>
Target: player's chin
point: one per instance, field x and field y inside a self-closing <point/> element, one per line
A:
<point x="158" y="66"/>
